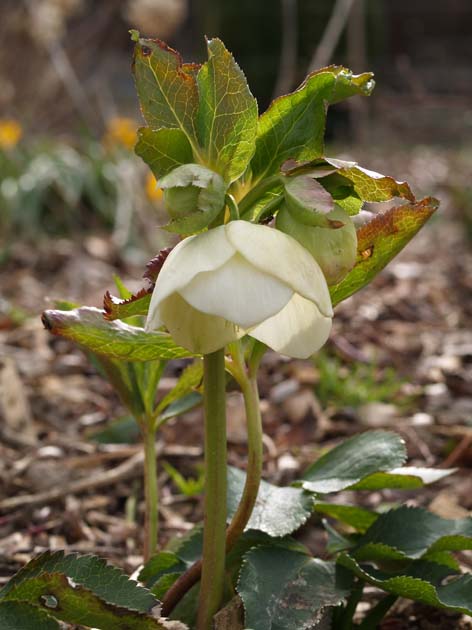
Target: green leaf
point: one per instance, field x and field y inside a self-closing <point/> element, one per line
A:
<point x="277" y="512"/>
<point x="124" y="430"/>
<point x="56" y="594"/>
<point x="22" y="616"/>
<point x="167" y="89"/>
<point x="379" y="241"/>
<point x="359" y="518"/>
<point x="294" y="125"/>
<point x="354" y="459"/>
<point x="421" y="583"/>
<point x="288" y="590"/>
<point x="227" y="118"/>
<point x="104" y="580"/>
<point x="161" y="564"/>
<point x="137" y="304"/>
<point x="180" y="406"/>
<point x="189" y="380"/>
<point x="163" y="150"/>
<point x="87" y="327"/>
<point x="414" y="532"/>
<point x="367" y="185"/>
<point x="405" y="478"/>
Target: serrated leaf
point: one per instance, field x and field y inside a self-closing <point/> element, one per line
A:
<point x="23" y="616"/>
<point x="293" y="126"/>
<point x="405" y="478"/>
<point x="277" y="512"/>
<point x="87" y="327"/>
<point x="161" y="564"/>
<point x="420" y="583"/>
<point x="227" y="117"/>
<point x="358" y="518"/>
<point x="288" y="590"/>
<point x="167" y="89"/>
<point x="116" y="308"/>
<point x="415" y="531"/>
<point x="367" y="185"/>
<point x="354" y="459"/>
<point x="163" y="150"/>
<point x="105" y="580"/>
<point x="379" y="241"/>
<point x="56" y="594"/>
<point x="189" y="380"/>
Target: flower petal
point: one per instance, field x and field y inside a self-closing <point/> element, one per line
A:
<point x="196" y="331"/>
<point x="195" y="254"/>
<point x="281" y="256"/>
<point x="298" y="330"/>
<point x="237" y="291"/>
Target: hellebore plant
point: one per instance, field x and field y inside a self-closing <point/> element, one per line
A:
<point x="268" y="247"/>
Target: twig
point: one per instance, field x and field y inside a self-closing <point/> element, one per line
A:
<point x="106" y="478"/>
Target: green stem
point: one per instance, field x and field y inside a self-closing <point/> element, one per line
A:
<point x="233" y="207"/>
<point x="378" y="612"/>
<point x="247" y="380"/>
<point x="255" y="193"/>
<point x="214" y="532"/>
<point x="151" y="517"/>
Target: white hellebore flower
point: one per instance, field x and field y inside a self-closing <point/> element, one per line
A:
<point x="238" y="279"/>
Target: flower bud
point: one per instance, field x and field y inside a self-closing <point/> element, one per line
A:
<point x="335" y="250"/>
<point x="193" y="196"/>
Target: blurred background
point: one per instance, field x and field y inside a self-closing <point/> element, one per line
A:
<point x="77" y="206"/>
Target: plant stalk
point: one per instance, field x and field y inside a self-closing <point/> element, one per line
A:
<point x="257" y="191"/>
<point x="247" y="380"/>
<point x="214" y="532"/>
<point x="151" y="494"/>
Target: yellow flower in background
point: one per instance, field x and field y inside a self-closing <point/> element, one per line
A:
<point x="153" y="192"/>
<point x="121" y="131"/>
<point x="10" y="133"/>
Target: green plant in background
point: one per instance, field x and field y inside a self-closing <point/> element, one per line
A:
<point x="233" y="286"/>
<point x="355" y="384"/>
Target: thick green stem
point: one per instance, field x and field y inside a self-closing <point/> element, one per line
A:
<point x="247" y="380"/>
<point x="151" y="517"/>
<point x="214" y="532"/>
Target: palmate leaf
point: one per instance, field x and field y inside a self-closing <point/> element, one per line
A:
<point x="87" y="327"/>
<point x="277" y="512"/>
<point x="421" y="582"/>
<point x="379" y="241"/>
<point x="293" y="127"/>
<point x="227" y="116"/>
<point x="287" y="590"/>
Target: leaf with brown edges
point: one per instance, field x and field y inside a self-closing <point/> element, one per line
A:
<point x="137" y="304"/>
<point x="380" y="240"/>
<point x="88" y="327"/>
